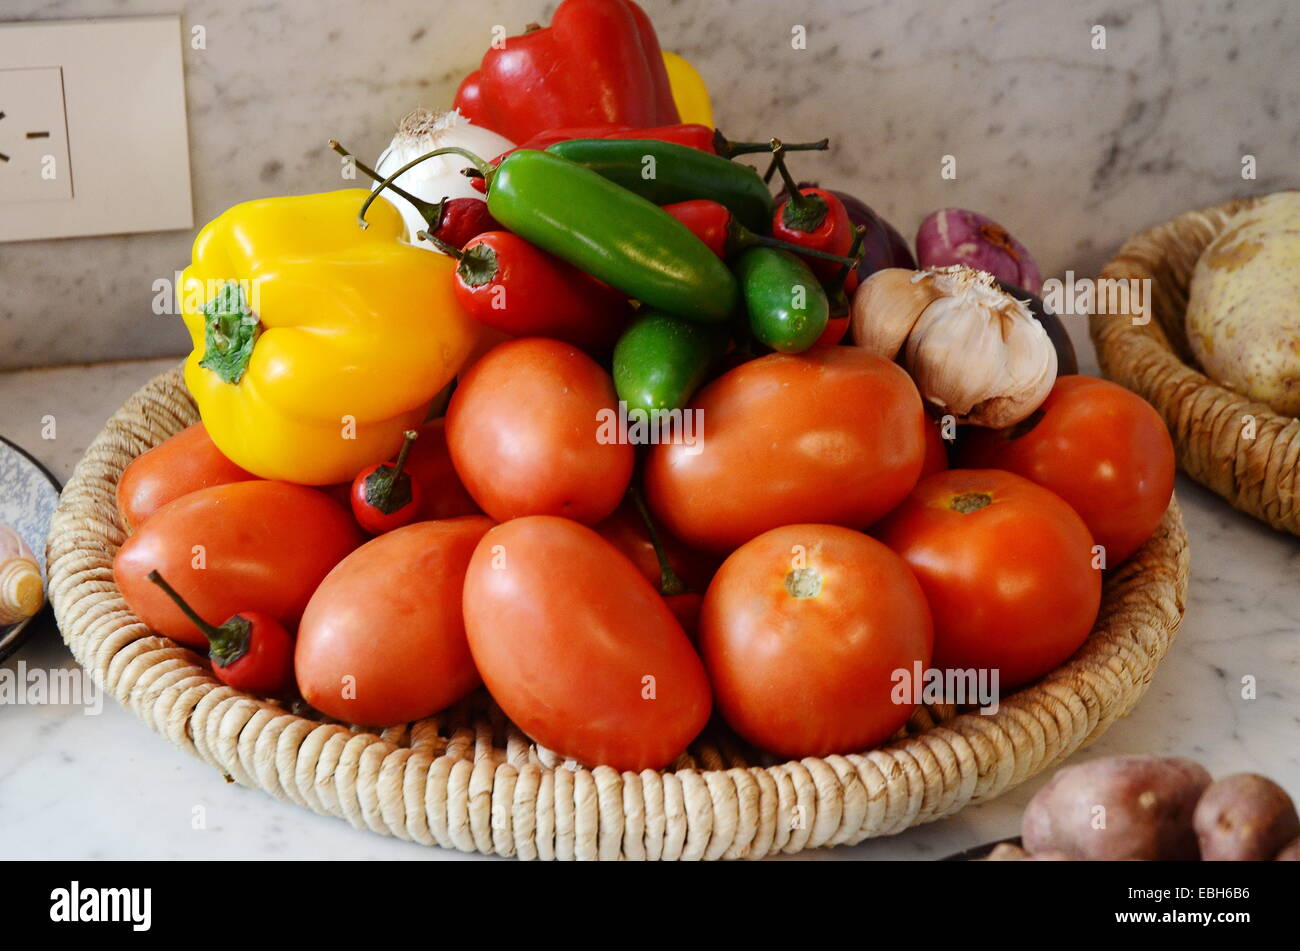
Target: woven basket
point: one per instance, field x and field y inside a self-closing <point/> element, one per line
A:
<point x="1208" y="422"/>
<point x="468" y="779"/>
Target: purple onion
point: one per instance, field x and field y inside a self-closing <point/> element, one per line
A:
<point x="956" y="236"/>
<point x="882" y="245"/>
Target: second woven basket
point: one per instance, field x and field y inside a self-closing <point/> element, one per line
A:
<point x="1233" y="445"/>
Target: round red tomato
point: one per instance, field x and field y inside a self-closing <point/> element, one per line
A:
<point x="246" y="546"/>
<point x="382" y="641"/>
<point x="1007" y="567"/>
<point x="1100" y="447"/>
<point x="578" y="648"/>
<point x="829" y="436"/>
<point x="524" y="431"/>
<point x="802" y="632"/>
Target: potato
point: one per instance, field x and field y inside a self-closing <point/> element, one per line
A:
<point x="1243" y="315"/>
<point x="1289" y="853"/>
<point x="1119" y="807"/>
<point x="1244" y="818"/>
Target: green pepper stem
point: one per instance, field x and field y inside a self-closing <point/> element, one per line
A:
<point x="854" y="258"/>
<point x="479" y="163"/>
<point x="431" y="212"/>
<point x="802" y="203"/>
<point x="728" y="149"/>
<point x="669" y="581"/>
<point x="230" y="640"/>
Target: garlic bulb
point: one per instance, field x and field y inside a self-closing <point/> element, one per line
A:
<point x="974" y="351"/>
<point x="21" y="591"/>
<point x="420" y="133"/>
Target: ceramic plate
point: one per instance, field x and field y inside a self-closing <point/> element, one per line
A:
<point x="28" y="494"/>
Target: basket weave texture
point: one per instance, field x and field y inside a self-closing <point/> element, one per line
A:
<point x="468" y="779"/>
<point x="1231" y="444"/>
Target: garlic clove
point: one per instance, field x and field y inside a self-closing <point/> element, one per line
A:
<point x="886" y="307"/>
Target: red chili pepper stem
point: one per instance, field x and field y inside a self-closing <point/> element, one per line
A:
<point x="669" y="581"/>
<point x="802" y="212"/>
<point x="479" y="163"/>
<point x="388" y="488"/>
<point x="228" y="643"/>
<point x="728" y="149"/>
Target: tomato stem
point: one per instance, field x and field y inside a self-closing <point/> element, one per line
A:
<point x="388" y="487"/>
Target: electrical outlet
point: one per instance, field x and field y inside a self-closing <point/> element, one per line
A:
<point x="33" y="136"/>
<point x="93" y="134"/>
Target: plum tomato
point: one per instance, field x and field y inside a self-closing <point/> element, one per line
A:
<point x="523" y="428"/>
<point x="245" y="546"/>
<point x="802" y="631"/>
<point x="829" y="436"/>
<point x="1008" y="569"/>
<point x="579" y="649"/>
<point x="186" y="462"/>
<point x="382" y="641"/>
<point x="1102" y="448"/>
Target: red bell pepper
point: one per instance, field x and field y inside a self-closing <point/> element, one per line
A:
<point x="598" y="62"/>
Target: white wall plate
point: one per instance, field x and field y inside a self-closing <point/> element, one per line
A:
<point x="93" y="138"/>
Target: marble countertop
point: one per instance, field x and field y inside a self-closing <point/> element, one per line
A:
<point x="74" y="785"/>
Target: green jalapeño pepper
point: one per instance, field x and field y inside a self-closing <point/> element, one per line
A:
<point x="788" y="309"/>
<point x="665" y="173"/>
<point x="603" y="229"/>
<point x="661" y="360"/>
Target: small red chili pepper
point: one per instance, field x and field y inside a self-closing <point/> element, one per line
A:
<point x="463" y="219"/>
<point x="384" y="496"/>
<point x="506" y="283"/>
<point x="715" y="225"/>
<point x="840" y="294"/>
<point x="252" y="651"/>
<point x="812" y="218"/>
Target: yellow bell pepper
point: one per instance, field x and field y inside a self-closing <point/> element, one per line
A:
<point x="689" y="92"/>
<point x="317" y="343"/>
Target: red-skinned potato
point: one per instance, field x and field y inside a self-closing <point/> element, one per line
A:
<point x="578" y="648"/>
<point x="1244" y="818"/>
<point x="833" y="436"/>
<point x="186" y="462"/>
<point x="382" y="641"/>
<point x="246" y="546"/>
<point x="523" y="431"/>
<point x="1118" y="807"/>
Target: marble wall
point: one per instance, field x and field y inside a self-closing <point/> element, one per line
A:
<point x="1071" y="147"/>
